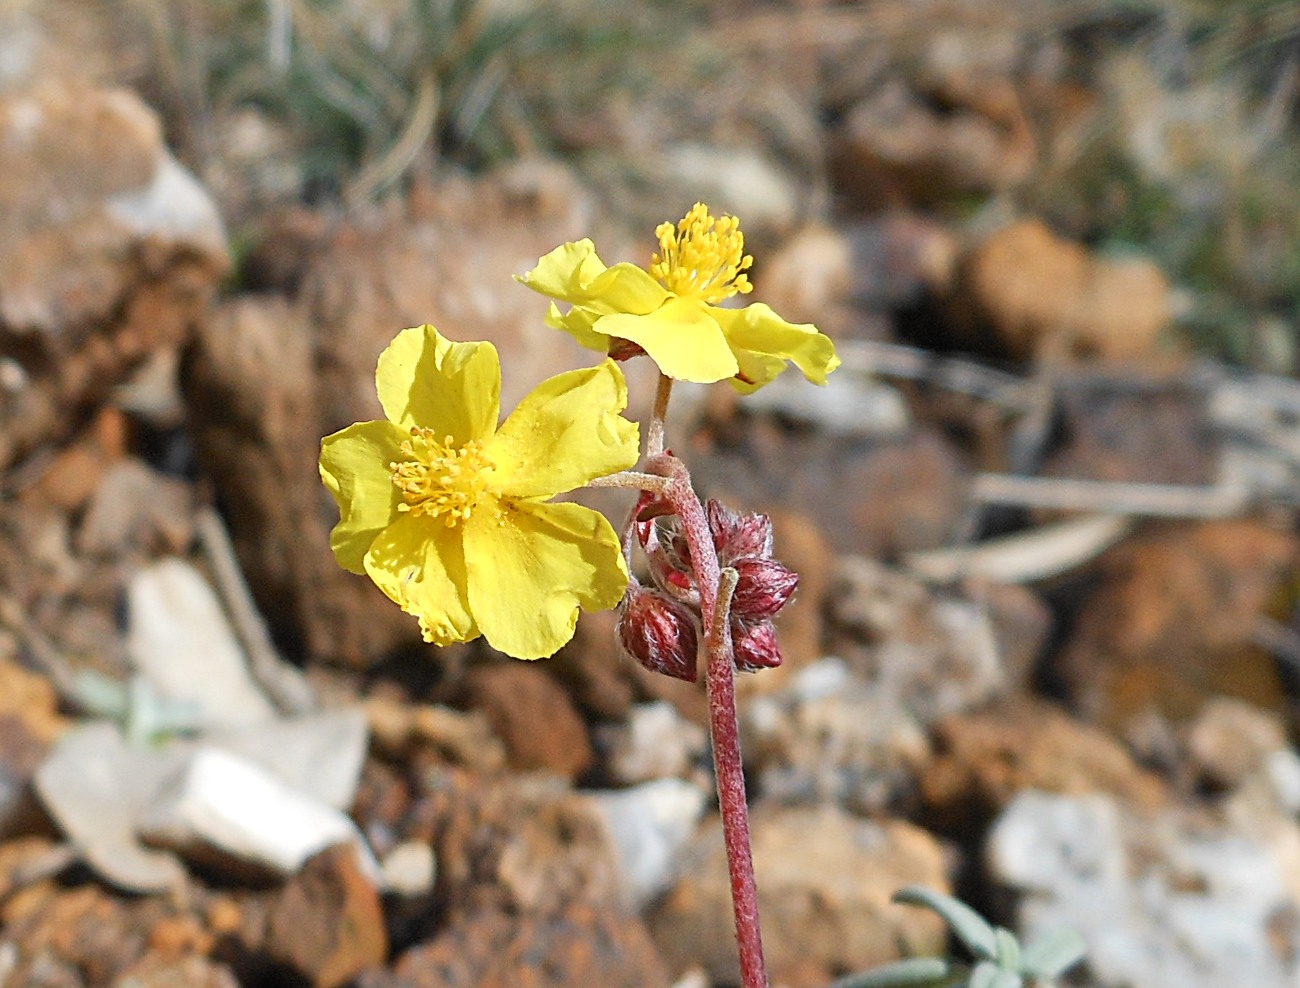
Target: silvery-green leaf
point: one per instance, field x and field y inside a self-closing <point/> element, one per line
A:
<point x="915" y="972"/>
<point x="1053" y="953"/>
<point x="987" y="974"/>
<point x="969" y="925"/>
<point x="1008" y="951"/>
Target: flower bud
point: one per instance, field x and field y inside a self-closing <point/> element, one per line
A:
<point x="755" y="646"/>
<point x="658" y="632"/>
<point x="738" y="536"/>
<point x="763" y="587"/>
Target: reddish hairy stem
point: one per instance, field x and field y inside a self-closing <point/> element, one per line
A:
<point x="716" y="586"/>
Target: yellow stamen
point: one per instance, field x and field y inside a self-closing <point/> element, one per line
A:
<point x="702" y="257"/>
<point x="438" y="480"/>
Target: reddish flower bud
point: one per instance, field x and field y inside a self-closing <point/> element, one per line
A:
<point x="658" y="632"/>
<point x="755" y="646"/>
<point x="738" y="536"/>
<point x="763" y="588"/>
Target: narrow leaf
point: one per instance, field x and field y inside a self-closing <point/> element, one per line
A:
<point x="970" y="926"/>
<point x="1052" y="954"/>
<point x="988" y="975"/>
<point x="1008" y="957"/>
<point x="915" y="972"/>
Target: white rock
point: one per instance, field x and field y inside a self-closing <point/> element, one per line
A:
<point x="318" y="754"/>
<point x="180" y="641"/>
<point x="410" y="869"/>
<point x="847" y="405"/>
<point x="1169" y="901"/>
<point x="173" y="206"/>
<point x="224" y="805"/>
<point x="655" y="743"/>
<point x="650" y="825"/>
<point x="94" y="785"/>
<point x="738" y="181"/>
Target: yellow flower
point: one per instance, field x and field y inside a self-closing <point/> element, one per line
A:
<point x="672" y="311"/>
<point x="448" y="514"/>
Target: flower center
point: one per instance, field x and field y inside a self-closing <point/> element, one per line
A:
<point x="702" y="257"/>
<point x="439" y="480"/>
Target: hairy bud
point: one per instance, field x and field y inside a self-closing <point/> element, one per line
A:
<point x="658" y="632"/>
<point x="763" y="588"/>
<point x="755" y="646"/>
<point x="738" y="536"/>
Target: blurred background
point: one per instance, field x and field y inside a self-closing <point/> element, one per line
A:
<point x="1046" y="650"/>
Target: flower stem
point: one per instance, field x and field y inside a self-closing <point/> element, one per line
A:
<point x="716" y="586"/>
<point x="655" y="430"/>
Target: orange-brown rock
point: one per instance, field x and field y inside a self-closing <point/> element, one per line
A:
<point x="1042" y="296"/>
<point x="983" y="759"/>
<point x="109" y="251"/>
<point x="582" y="945"/>
<point x="327" y="923"/>
<point x="1172" y="619"/>
<point x="824" y="883"/>
<point x="533" y="715"/>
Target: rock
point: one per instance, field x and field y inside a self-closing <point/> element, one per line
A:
<point x="77" y="470"/>
<point x="179" y="639"/>
<point x="649" y="825"/>
<point x="983" y="760"/>
<point x="135" y="507"/>
<point x="319" y="755"/>
<point x="1230" y="740"/>
<point x="409" y="869"/>
<point x="1177" y="899"/>
<point x="1043" y="296"/>
<point x="1162" y="436"/>
<point x="327" y="923"/>
<point x="253" y="398"/>
<point x="533" y="715"/>
<point x="224" y="810"/>
<point x="735" y="180"/>
<point x="463" y="737"/>
<point x="192" y="971"/>
<point x="31" y="699"/>
<point x="810" y="278"/>
<point x="580" y="945"/>
<point x="1171" y="622"/>
<point x="849" y="406"/>
<point x="85" y="929"/>
<point x="21" y="753"/>
<point x="890" y="494"/>
<point x="933" y="139"/>
<point x="525" y="845"/>
<point x="656" y="742"/>
<point x="829" y="737"/>
<point x="824" y="880"/>
<point x="94" y="785"/>
<point x="930" y="653"/>
<point x="108" y="251"/>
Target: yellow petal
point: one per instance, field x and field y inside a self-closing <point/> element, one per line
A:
<point x="681" y="336"/>
<point x="626" y="288"/>
<point x="756" y="327"/>
<point x="578" y="323"/>
<point x="756" y="370"/>
<point x="532" y="568"/>
<point x="427" y="380"/>
<point x="566" y="432"/>
<point x="420" y="564"/>
<point x="565" y="272"/>
<point x="354" y="466"/>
